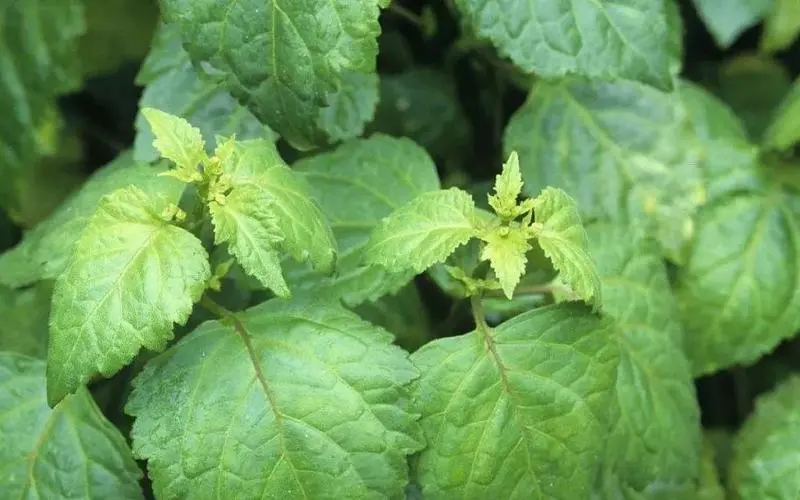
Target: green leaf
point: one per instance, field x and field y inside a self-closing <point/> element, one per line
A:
<point x="118" y="31"/>
<point x="596" y="39"/>
<point x="505" y="250"/>
<point x="247" y="223"/>
<point x="611" y="145"/>
<point x="710" y="487"/>
<point x="784" y="131"/>
<point x="507" y="188"/>
<point x="728" y="160"/>
<point x="24" y="326"/>
<point x="283" y="60"/>
<point x="766" y="462"/>
<point x="44" y="251"/>
<point x="424" y="231"/>
<point x="305" y="231"/>
<point x="781" y="26"/>
<point x="350" y="107"/>
<point x="423" y="105"/>
<point x="176" y="139"/>
<point x="753" y="86"/>
<point x="131" y="276"/>
<point x="521" y="413"/>
<point x="173" y="85"/>
<point x="656" y="439"/>
<point x="38" y="62"/>
<point x="561" y="235"/>
<point x="738" y="292"/>
<point x="727" y="19"/>
<point x="288" y="400"/>
<point x="358" y="184"/>
<point x="70" y="451"/>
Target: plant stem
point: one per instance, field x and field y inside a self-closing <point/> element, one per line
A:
<point x="406" y="14"/>
<point x="217" y="309"/>
<point x="479" y="315"/>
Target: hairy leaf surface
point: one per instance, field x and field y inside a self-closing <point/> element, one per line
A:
<point x="656" y="439"/>
<point x="561" y="235"/>
<point x="305" y="231"/>
<point x="173" y="85"/>
<point x="246" y="222"/>
<point x="70" y="451"/>
<point x="283" y="60"/>
<point x="739" y="293"/>
<point x="131" y="276"/>
<point x="44" y="250"/>
<point x="357" y="185"/>
<point x="610" y="145"/>
<point x="765" y="462"/>
<point x="424" y="231"/>
<point x="289" y="400"/>
<point x="523" y="415"/>
<point x="600" y="38"/>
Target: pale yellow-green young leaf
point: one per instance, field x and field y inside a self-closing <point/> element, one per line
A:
<point x="505" y="250"/>
<point x="424" y="231"/>
<point x="131" y="276"/>
<point x="178" y="141"/>
<point x="507" y="188"/>
<point x="561" y="235"/>
<point x="246" y="221"/>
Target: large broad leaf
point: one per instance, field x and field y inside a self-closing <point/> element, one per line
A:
<point x="728" y="160"/>
<point x="522" y="411"/>
<point x="727" y="19"/>
<point x="131" y="276"/>
<point x="256" y="165"/>
<point x="561" y="236"/>
<point x="24" y="327"/>
<point x="287" y="400"/>
<point x="70" y="451"/>
<point x="656" y="439"/>
<point x="739" y="292"/>
<point x="285" y="61"/>
<point x="784" y="131"/>
<point x="424" y="231"/>
<point x="766" y="463"/>
<point x="173" y="86"/>
<point x="596" y="38"/>
<point x="44" y="250"/>
<point x="358" y="184"/>
<point x="611" y="145"/>
<point x="38" y="62"/>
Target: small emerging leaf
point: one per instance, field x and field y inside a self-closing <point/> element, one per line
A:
<point x="505" y="250"/>
<point x="424" y="231"/>
<point x="507" y="188"/>
<point x="563" y="239"/>
<point x="177" y="141"/>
